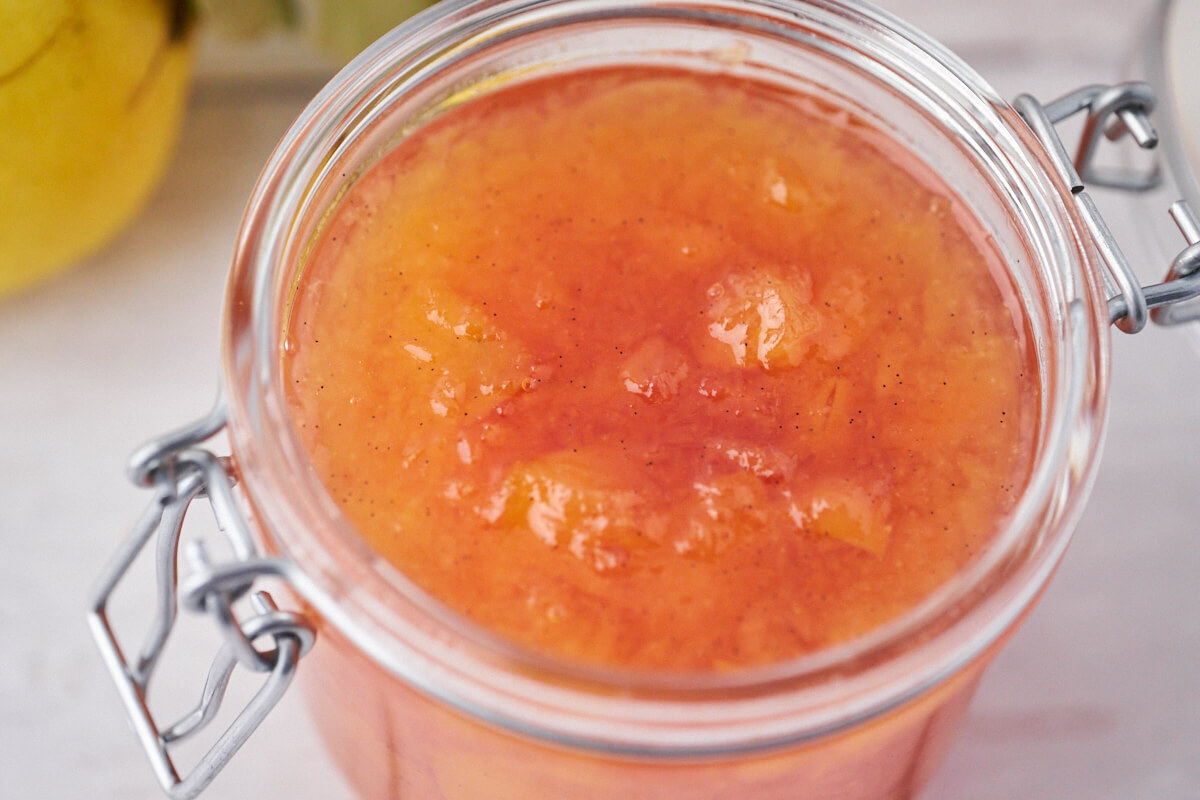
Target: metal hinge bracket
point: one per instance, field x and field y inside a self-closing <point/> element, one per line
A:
<point x="1114" y="112"/>
<point x="266" y="640"/>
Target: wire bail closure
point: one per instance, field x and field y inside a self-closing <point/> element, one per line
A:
<point x="1114" y="112"/>
<point x="268" y="640"/>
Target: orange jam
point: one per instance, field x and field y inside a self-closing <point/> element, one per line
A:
<point x="653" y="369"/>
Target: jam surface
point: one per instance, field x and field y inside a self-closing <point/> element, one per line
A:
<point x="659" y="370"/>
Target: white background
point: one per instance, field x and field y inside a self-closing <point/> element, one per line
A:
<point x="1097" y="697"/>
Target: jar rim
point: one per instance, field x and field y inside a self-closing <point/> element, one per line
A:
<point x="527" y="692"/>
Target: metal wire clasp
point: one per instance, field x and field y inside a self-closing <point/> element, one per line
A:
<point x="266" y="640"/>
<point x="1114" y="111"/>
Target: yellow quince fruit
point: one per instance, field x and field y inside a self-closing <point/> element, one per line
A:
<point x="91" y="96"/>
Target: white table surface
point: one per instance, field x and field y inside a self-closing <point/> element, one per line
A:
<point x="1096" y="698"/>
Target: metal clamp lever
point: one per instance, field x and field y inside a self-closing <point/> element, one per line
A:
<point x="179" y="473"/>
<point x="1114" y="111"/>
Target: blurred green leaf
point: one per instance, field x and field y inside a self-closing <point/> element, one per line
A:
<point x="340" y="28"/>
<point x="248" y="19"/>
<point x="344" y="28"/>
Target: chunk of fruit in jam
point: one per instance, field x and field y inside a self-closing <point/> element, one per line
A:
<point x="844" y="511"/>
<point x="655" y="370"/>
<point x="720" y="512"/>
<point x="762" y="318"/>
<point x="466" y="364"/>
<point x="573" y="502"/>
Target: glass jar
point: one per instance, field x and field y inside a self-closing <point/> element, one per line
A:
<point x="416" y="702"/>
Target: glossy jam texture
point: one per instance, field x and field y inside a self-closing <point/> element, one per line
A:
<point x="660" y="370"/>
